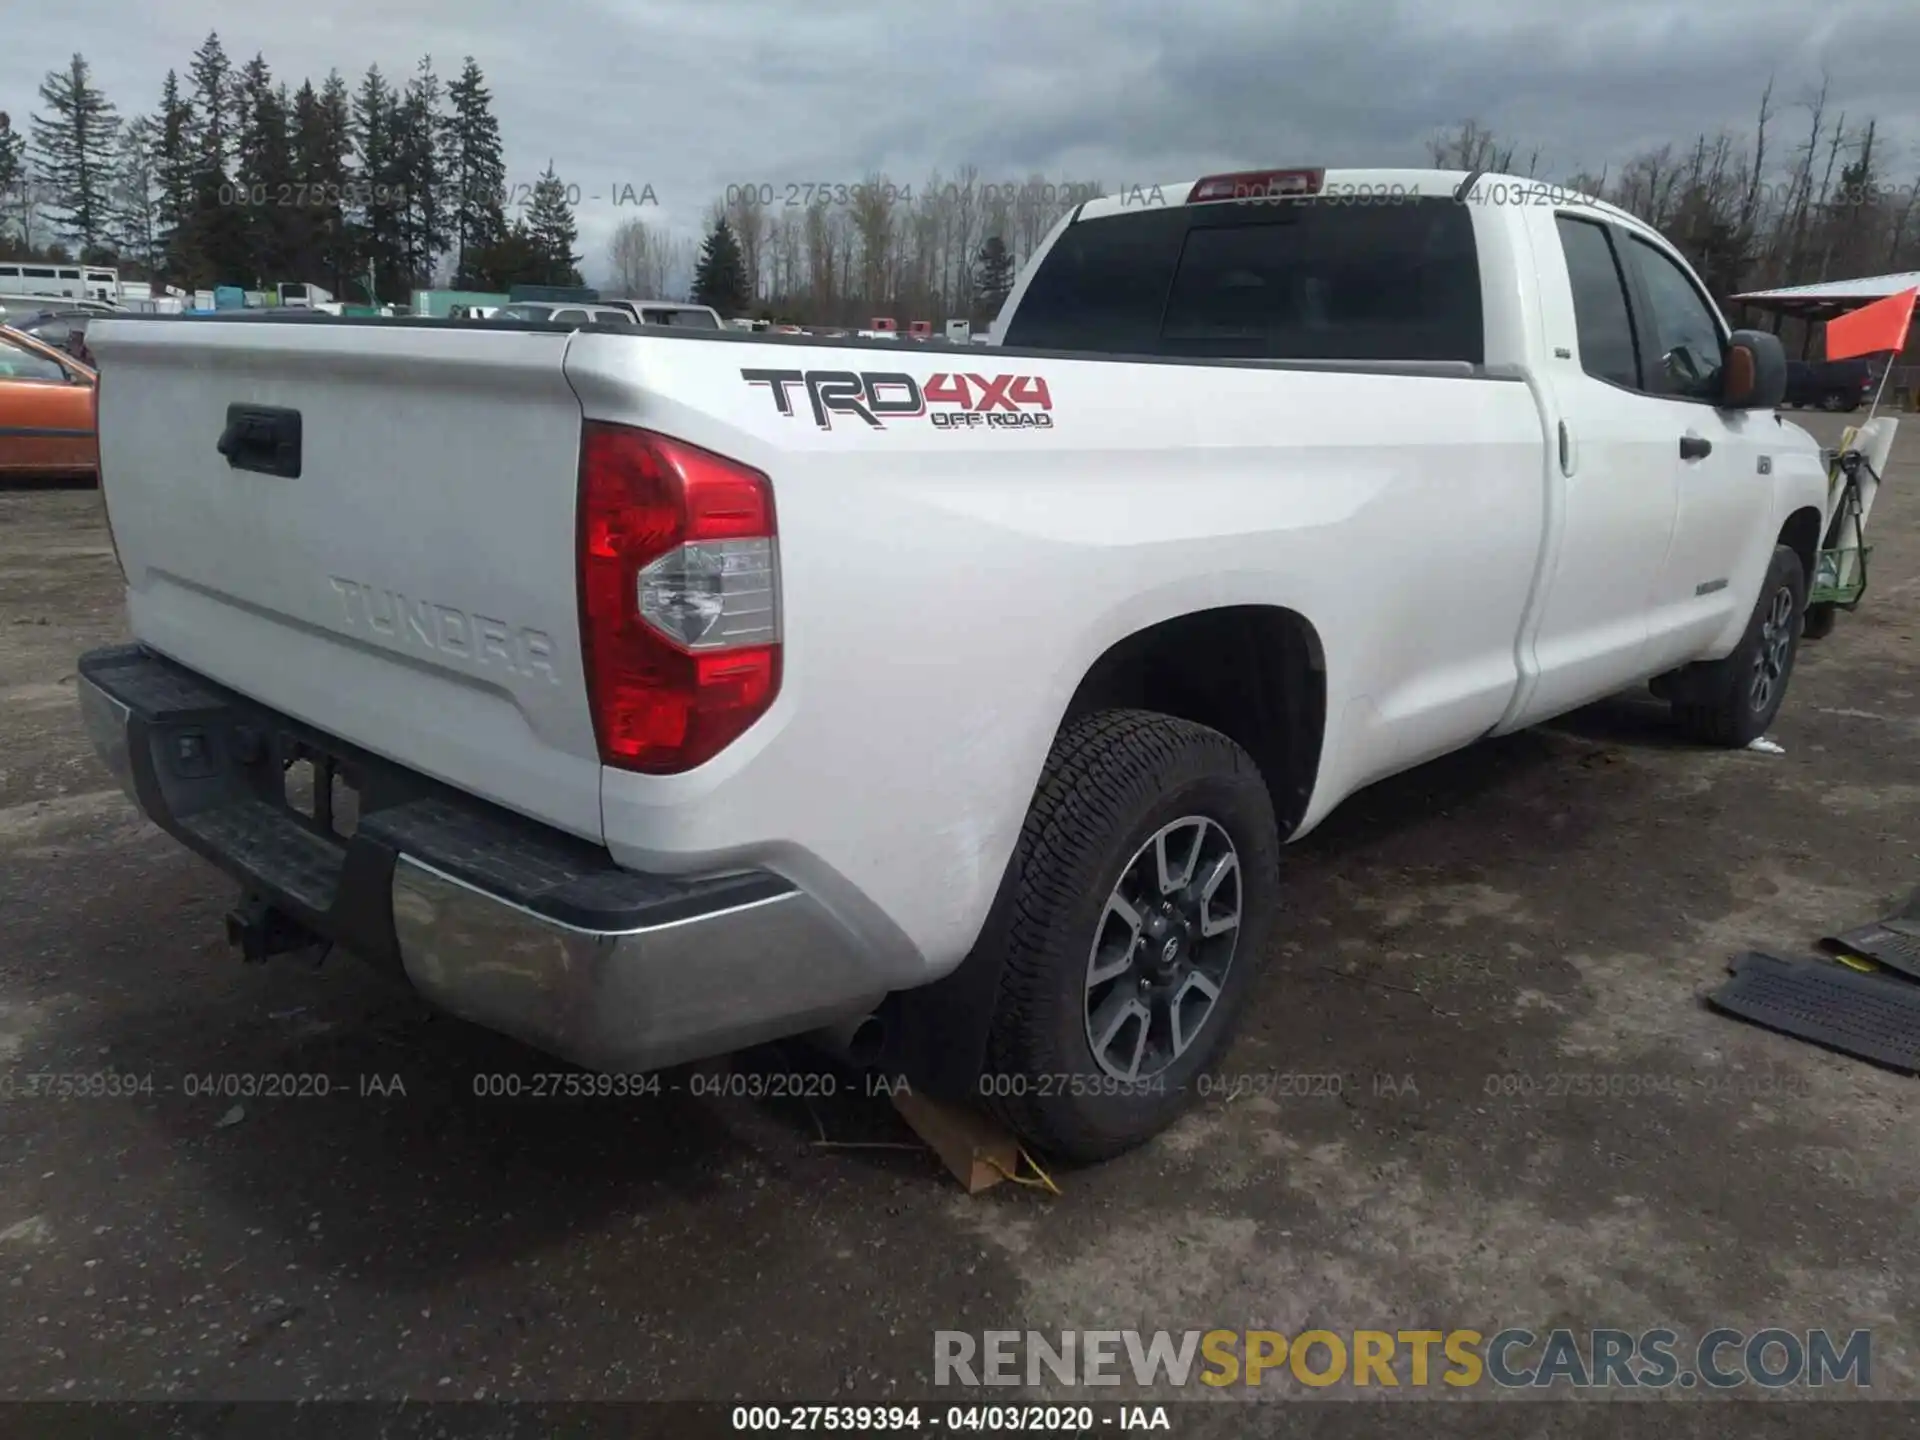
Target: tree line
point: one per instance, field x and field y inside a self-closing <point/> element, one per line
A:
<point x="1751" y="211"/>
<point x="838" y="255"/>
<point x="1807" y="194"/>
<point x="233" y="178"/>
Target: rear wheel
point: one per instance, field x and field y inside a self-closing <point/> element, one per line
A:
<point x="1820" y="621"/>
<point x="1732" y="701"/>
<point x="1144" y="884"/>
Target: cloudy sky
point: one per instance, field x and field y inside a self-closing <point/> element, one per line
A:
<point x="690" y="97"/>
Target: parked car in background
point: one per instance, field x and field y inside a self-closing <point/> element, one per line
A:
<point x="686" y="316"/>
<point x="1830" y="384"/>
<point x="63" y="329"/>
<point x="46" y="410"/>
<point x="16" y="308"/>
<point x="611" y="312"/>
<point x="564" y="313"/>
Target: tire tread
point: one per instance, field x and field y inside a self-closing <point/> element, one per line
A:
<point x="1098" y="767"/>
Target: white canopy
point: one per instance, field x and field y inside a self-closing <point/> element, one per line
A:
<point x="1831" y="297"/>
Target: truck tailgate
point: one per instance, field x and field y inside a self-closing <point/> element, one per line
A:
<point x="412" y="589"/>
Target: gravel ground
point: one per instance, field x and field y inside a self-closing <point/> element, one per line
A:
<point x="1552" y="904"/>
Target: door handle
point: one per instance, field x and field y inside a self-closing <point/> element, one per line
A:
<point x="262" y="438"/>
<point x="1695" y="447"/>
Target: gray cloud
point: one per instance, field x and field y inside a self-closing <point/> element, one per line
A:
<point x="691" y="97"/>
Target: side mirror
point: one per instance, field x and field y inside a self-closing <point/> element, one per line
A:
<point x="1755" y="375"/>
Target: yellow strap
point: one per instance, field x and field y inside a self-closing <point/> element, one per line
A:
<point x="1039" y="1180"/>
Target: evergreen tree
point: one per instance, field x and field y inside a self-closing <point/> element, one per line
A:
<point x="136" y="199"/>
<point x="720" y="278"/>
<point x="12" y="171"/>
<point x="476" y="176"/>
<point x="73" y="158"/>
<point x="263" y="173"/>
<point x="992" y="277"/>
<point x="511" y="259"/>
<point x="306" y="149"/>
<point x="550" y="229"/>
<point x="325" y="161"/>
<point x="419" y="176"/>
<point x="218" y="248"/>
<point x="376" y="189"/>
<point x="173" y="176"/>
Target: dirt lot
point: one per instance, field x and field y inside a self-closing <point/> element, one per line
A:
<point x="1554" y="904"/>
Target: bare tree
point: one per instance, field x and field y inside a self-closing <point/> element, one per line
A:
<point x="641" y="258"/>
<point x="1902" y="225"/>
<point x="747" y="214"/>
<point x="627" y="255"/>
<point x="1756" y="172"/>
<point x="1472" y="146"/>
<point x="873" y="223"/>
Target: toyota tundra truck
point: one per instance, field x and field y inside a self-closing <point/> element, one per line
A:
<point x="656" y="693"/>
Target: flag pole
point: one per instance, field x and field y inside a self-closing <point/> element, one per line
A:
<point x="1885" y="374"/>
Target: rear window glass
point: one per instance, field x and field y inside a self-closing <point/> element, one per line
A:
<point x="1302" y="280"/>
<point x="668" y="315"/>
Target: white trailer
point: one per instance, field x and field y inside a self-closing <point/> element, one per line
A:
<point x="59" y="281"/>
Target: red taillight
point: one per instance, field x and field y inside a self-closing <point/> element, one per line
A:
<point x="1257" y="185"/>
<point x="679" y="598"/>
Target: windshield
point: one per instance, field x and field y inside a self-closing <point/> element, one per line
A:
<point x="524" y="312"/>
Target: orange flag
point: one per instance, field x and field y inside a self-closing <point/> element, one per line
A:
<point x="1876" y="327"/>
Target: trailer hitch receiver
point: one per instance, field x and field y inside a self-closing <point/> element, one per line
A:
<point x="259" y="929"/>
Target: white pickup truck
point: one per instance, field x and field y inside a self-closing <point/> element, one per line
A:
<point x="669" y="692"/>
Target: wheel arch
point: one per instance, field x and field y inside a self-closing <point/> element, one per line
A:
<point x="1255" y="672"/>
<point x="1801" y="534"/>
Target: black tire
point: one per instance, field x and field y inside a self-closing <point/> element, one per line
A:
<point x="1820" y="621"/>
<point x="1722" y="702"/>
<point x="1112" y="782"/>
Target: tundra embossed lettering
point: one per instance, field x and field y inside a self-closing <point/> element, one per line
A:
<point x="411" y="623"/>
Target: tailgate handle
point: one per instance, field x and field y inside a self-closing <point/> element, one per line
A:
<point x="262" y="438"/>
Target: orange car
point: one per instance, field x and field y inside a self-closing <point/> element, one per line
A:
<point x="46" y="410"/>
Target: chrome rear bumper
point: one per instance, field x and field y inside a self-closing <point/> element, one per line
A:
<point x="495" y="918"/>
<point x="629" y="999"/>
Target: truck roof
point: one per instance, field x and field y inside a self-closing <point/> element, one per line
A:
<point x="1358" y="183"/>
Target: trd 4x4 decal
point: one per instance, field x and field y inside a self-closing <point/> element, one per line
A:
<point x="948" y="401"/>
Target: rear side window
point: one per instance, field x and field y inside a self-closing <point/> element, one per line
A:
<point x="1302" y="280"/>
<point x="1600" y="315"/>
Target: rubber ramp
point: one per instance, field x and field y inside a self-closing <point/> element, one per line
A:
<point x="1894" y="943"/>
<point x="1870" y="1016"/>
